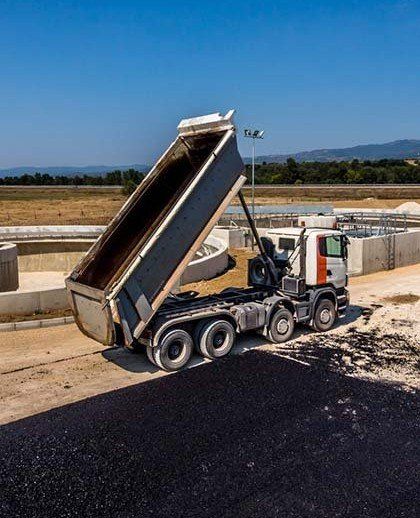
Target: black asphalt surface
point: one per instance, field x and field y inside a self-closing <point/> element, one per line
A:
<point x="254" y="435"/>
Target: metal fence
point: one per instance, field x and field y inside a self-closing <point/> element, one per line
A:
<point x="364" y="224"/>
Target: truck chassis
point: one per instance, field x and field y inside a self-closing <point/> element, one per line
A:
<point x="182" y="321"/>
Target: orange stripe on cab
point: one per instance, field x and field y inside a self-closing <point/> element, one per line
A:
<point x="321" y="264"/>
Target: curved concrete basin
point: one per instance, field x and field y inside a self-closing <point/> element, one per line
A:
<point x="47" y="253"/>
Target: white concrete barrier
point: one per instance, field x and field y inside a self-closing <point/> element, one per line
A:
<point x="370" y="254"/>
<point x="51" y="255"/>
<point x="37" y="232"/>
<point x="62" y="255"/>
<point x="234" y="237"/>
<point x="210" y="265"/>
<point x="30" y="302"/>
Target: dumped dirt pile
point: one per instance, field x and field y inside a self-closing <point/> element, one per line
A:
<point x="410" y="207"/>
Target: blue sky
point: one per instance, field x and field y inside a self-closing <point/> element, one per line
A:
<point x="89" y="82"/>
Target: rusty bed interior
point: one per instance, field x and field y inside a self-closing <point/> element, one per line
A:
<point x="151" y="202"/>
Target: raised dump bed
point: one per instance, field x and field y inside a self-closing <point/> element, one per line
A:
<point x="132" y="267"/>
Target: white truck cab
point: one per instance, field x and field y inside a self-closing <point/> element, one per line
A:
<point x="317" y="254"/>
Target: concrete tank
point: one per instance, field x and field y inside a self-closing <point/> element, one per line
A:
<point x="9" y="276"/>
<point x="311" y="221"/>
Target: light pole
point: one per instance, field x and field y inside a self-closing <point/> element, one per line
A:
<point x="254" y="134"/>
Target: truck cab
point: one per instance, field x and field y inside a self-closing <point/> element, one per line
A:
<point x="318" y="254"/>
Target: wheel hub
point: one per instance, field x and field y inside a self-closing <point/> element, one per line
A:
<point x="219" y="339"/>
<point x="174" y="350"/>
<point x="325" y="316"/>
<point x="282" y="326"/>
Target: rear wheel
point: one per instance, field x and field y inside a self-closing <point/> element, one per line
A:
<point x="325" y="315"/>
<point x="173" y="351"/>
<point x="282" y="325"/>
<point x="214" y="338"/>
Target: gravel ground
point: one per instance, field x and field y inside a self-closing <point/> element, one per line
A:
<point x="325" y="425"/>
<point x="251" y="435"/>
<point x="379" y="343"/>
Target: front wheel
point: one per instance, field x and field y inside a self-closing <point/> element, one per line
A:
<point x="173" y="351"/>
<point x="282" y="325"/>
<point x="325" y="315"/>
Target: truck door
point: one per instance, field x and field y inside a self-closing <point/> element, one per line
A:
<point x="332" y="248"/>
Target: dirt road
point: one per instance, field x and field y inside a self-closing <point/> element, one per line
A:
<point x="46" y="368"/>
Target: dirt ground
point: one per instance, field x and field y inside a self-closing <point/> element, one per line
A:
<point x="20" y="206"/>
<point x="235" y="276"/>
<point x="378" y="339"/>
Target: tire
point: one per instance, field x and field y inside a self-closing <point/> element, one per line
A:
<point x="282" y="325"/>
<point x="325" y="315"/>
<point x="258" y="273"/>
<point x="173" y="351"/>
<point x="215" y="338"/>
<point x="197" y="334"/>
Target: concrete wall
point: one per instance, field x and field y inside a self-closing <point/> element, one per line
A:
<point x="355" y="258"/>
<point x="26" y="303"/>
<point x="37" y="232"/>
<point x="369" y="255"/>
<point x="51" y="255"/>
<point x="407" y="248"/>
<point x="9" y="278"/>
<point x="232" y="236"/>
<point x="207" y="267"/>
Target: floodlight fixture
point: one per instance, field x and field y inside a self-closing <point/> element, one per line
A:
<point x="254" y="133"/>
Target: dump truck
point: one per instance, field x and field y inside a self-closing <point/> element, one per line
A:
<point x="122" y="291"/>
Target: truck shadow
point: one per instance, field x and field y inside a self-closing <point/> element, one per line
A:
<point x="139" y="363"/>
<point x="245" y="436"/>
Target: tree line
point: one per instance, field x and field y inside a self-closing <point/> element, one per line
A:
<point x="354" y="172"/>
<point x="127" y="179"/>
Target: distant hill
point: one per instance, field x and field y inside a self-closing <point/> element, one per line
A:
<point x="71" y="170"/>
<point x="396" y="149"/>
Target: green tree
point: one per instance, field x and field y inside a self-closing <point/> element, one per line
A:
<point x="129" y="187"/>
